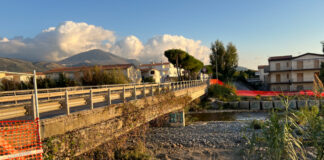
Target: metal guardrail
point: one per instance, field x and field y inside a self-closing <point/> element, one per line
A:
<point x="21" y="104"/>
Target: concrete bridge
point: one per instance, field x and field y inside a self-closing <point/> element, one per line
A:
<point x="74" y="120"/>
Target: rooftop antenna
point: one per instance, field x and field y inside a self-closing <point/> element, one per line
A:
<point x="323" y="45"/>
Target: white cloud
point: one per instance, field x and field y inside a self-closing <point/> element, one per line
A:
<point x="70" y="38"/>
<point x="56" y="43"/>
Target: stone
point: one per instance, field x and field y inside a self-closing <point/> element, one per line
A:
<point x="267" y="105"/>
<point x="255" y="105"/>
<point x="244" y="105"/>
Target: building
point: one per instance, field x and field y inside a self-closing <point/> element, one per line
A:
<point x="263" y="73"/>
<point x="166" y="69"/>
<point x="129" y="70"/>
<point x="289" y="73"/>
<point x="151" y="72"/>
<point x="19" y="76"/>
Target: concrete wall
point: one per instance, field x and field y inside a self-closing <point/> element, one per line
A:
<point x="82" y="131"/>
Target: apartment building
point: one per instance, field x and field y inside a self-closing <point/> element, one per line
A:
<point x="289" y="73"/>
<point x="129" y="70"/>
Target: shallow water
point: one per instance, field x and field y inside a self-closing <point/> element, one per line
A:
<point x="227" y="116"/>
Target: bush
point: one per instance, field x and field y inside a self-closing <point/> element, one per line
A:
<point x="98" y="76"/>
<point x="149" y="79"/>
<point x="257" y="124"/>
<point x="223" y="93"/>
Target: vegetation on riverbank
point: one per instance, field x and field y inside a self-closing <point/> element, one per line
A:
<point x="287" y="136"/>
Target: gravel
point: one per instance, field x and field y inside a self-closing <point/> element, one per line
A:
<point x="197" y="141"/>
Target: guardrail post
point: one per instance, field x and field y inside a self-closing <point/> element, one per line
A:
<point x="144" y="94"/>
<point x="135" y="97"/>
<point x="152" y="92"/>
<point x="91" y="99"/>
<point x="33" y="107"/>
<point x="124" y="94"/>
<point x="67" y="106"/>
<point x="15" y="97"/>
<point x="109" y="96"/>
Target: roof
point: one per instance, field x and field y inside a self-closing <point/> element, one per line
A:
<point x="289" y="57"/>
<point x="37" y="73"/>
<point x="313" y="54"/>
<point x="76" y="69"/>
<point x="262" y="66"/>
<point x="154" y="64"/>
<point x="279" y="58"/>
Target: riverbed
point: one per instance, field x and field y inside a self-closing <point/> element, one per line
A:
<point x="202" y="139"/>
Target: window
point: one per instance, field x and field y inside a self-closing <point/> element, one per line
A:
<point x="288" y="76"/>
<point x="300" y="65"/>
<point x="300" y="77"/>
<point x="287" y="64"/>
<point x="316" y="63"/>
<point x="277" y="78"/>
<point x="277" y="66"/>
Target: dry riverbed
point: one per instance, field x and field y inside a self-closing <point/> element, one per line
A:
<point x="200" y="140"/>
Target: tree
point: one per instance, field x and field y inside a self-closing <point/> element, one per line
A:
<point x="183" y="60"/>
<point x="98" y="76"/>
<point x="176" y="57"/>
<point x="226" y="60"/>
<point x="321" y="75"/>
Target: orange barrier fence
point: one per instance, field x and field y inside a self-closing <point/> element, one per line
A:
<point x="266" y="93"/>
<point x="19" y="139"/>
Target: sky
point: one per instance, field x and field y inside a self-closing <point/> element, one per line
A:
<point x="143" y="29"/>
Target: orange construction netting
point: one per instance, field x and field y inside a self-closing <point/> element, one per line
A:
<point x="19" y="139"/>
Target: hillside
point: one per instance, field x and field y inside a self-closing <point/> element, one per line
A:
<point x="96" y="57"/>
<point x="17" y="65"/>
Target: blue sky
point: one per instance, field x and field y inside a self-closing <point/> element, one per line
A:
<point x="258" y="28"/>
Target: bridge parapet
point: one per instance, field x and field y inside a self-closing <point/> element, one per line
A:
<point x="58" y="101"/>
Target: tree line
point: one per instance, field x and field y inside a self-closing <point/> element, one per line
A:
<point x="93" y="76"/>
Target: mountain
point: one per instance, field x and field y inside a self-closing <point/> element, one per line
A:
<point x="17" y="65"/>
<point x="240" y="68"/>
<point x="96" y="57"/>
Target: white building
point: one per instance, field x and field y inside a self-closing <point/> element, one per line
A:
<point x="151" y="72"/>
<point x="263" y="73"/>
<point x="166" y="69"/>
<point x="288" y="73"/>
<point x="19" y="76"/>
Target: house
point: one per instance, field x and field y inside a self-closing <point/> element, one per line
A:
<point x="166" y="69"/>
<point x="289" y="73"/>
<point x="19" y="76"/>
<point x="263" y="73"/>
<point x="151" y="72"/>
<point x="129" y="70"/>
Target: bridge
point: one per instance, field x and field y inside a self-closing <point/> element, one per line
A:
<point x="78" y="119"/>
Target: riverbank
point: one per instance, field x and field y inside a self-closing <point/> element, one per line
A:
<point x="200" y="140"/>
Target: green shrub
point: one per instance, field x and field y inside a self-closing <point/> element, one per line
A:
<point x="222" y="92"/>
<point x="257" y="124"/>
<point x="148" y="79"/>
<point x="98" y="76"/>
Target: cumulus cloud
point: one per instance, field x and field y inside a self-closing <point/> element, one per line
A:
<point x="70" y="38"/>
<point x="56" y="43"/>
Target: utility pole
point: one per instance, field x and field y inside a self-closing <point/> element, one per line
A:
<point x="216" y="65"/>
